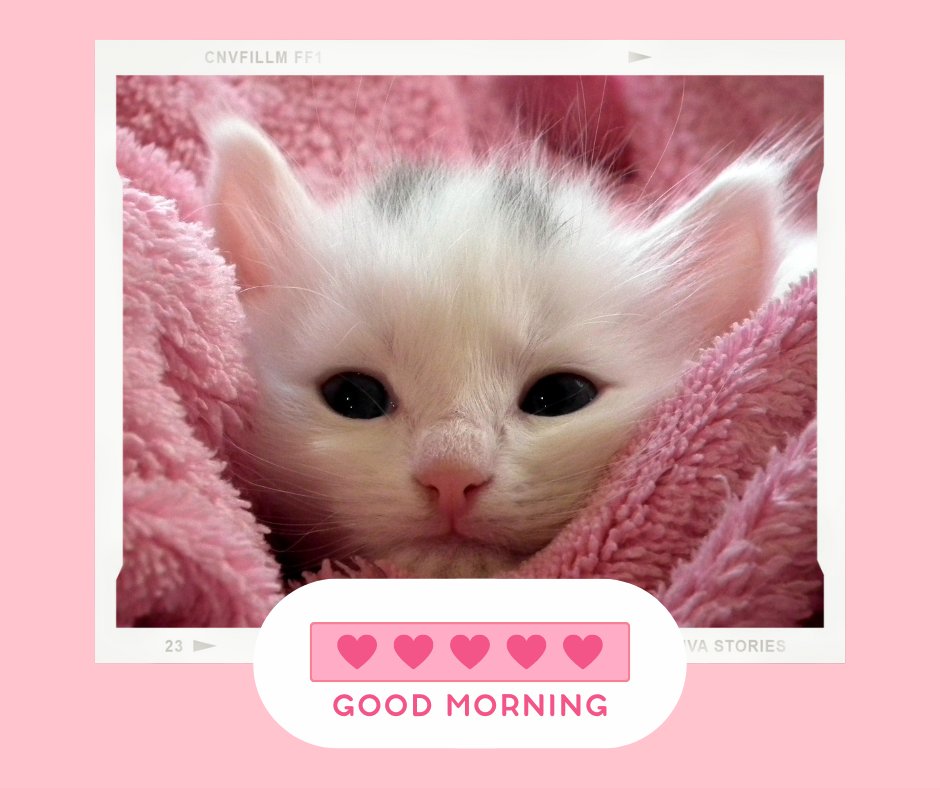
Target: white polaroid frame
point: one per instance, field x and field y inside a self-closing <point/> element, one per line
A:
<point x="113" y="58"/>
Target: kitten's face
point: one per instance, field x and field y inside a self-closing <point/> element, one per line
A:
<point x="448" y="360"/>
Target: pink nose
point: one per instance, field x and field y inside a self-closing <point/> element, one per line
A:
<point x="456" y="488"/>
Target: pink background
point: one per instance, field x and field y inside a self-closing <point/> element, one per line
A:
<point x="70" y="720"/>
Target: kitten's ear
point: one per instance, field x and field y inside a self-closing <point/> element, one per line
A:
<point x="261" y="211"/>
<point x="719" y="253"/>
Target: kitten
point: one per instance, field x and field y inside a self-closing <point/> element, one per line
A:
<point x="448" y="358"/>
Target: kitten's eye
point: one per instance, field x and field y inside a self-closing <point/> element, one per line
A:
<point x="558" y="394"/>
<point x="356" y="396"/>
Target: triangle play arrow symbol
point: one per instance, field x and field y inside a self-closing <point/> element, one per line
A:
<point x="198" y="645"/>
<point x="632" y="57"/>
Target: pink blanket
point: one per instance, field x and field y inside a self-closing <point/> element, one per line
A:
<point x="712" y="506"/>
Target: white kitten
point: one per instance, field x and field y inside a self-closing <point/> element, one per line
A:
<point x="448" y="359"/>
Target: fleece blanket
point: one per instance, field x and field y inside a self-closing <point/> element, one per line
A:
<point x="712" y="504"/>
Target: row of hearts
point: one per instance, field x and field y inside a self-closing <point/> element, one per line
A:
<point x="469" y="651"/>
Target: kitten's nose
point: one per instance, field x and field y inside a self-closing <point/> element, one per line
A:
<point x="456" y="488"/>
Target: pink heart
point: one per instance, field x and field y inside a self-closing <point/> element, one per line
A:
<point x="413" y="651"/>
<point x="583" y="651"/>
<point x="526" y="651"/>
<point x="356" y="651"/>
<point x="470" y="650"/>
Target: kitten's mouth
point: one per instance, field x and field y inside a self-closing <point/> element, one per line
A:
<point x="456" y="540"/>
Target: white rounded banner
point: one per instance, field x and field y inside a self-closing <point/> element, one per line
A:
<point x="469" y="663"/>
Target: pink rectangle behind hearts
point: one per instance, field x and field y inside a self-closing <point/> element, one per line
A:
<point x="612" y="663"/>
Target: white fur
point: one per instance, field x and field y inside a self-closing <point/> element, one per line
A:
<point x="457" y="311"/>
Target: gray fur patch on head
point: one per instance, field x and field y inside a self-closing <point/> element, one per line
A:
<point x="526" y="197"/>
<point x="396" y="191"/>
